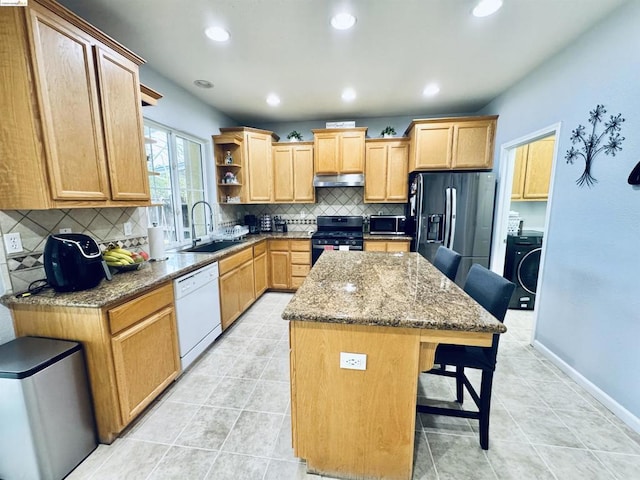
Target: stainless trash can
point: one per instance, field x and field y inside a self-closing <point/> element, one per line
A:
<point x="47" y="425"/>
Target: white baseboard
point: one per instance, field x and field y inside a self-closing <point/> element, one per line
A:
<point x="618" y="410"/>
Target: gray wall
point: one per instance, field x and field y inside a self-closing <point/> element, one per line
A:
<point x="589" y="303"/>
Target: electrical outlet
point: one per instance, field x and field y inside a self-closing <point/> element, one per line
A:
<point x="128" y="228"/>
<point x="353" y="361"/>
<point x="13" y="243"/>
<point x="65" y="230"/>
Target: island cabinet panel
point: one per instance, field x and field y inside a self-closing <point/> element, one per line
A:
<point x="356" y="406"/>
<point x="131" y="350"/>
<point x="339" y="150"/>
<point x="456" y="143"/>
<point x="74" y="94"/>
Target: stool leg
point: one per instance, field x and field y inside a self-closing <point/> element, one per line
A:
<point x="459" y="384"/>
<point x="485" y="407"/>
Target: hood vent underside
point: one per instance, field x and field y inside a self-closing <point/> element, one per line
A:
<point x="342" y="180"/>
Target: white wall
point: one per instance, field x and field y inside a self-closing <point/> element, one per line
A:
<point x="589" y="302"/>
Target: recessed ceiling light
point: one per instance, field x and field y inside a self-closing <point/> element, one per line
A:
<point x="203" y="83"/>
<point x="487" y="7"/>
<point x="343" y="21"/>
<point x="431" y="90"/>
<point x="217" y="34"/>
<point x="273" y="99"/>
<point x="349" y="95"/>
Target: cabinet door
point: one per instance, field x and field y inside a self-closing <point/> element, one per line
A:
<point x="279" y="267"/>
<point x="538" y="175"/>
<point x="432" y="146"/>
<point x="519" y="169"/>
<point x="146" y="360"/>
<point x="283" y="174"/>
<point x="326" y="152"/>
<point x="259" y="167"/>
<point x="351" y="152"/>
<point x="68" y="97"/>
<point x="397" y="172"/>
<point x="398" y="246"/>
<point x="303" y="174"/>
<point x="229" y="298"/>
<point x="375" y="177"/>
<point x="261" y="274"/>
<point x="246" y="290"/>
<point x="473" y="145"/>
<point x="121" y="112"/>
<point x="375" y="246"/>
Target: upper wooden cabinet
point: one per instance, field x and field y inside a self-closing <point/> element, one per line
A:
<point x="458" y="143"/>
<point x="339" y="150"/>
<point x="293" y="172"/>
<point x="75" y="136"/>
<point x="251" y="164"/>
<point x="386" y="170"/>
<point x="532" y="171"/>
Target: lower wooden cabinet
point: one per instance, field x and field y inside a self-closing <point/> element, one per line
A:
<point x="131" y="350"/>
<point x="387" y="245"/>
<point x="289" y="262"/>
<point x="237" y="288"/>
<point x="260" y="268"/>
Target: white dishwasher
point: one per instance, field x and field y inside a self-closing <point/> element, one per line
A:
<point x="197" y="312"/>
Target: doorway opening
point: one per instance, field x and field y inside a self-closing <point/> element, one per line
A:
<point x="524" y="201"/>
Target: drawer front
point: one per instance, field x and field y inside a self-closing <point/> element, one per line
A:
<point x="398" y="246"/>
<point x="260" y="248"/>
<point x="296" y="282"/>
<point x="300" y="245"/>
<point x="139" y="308"/>
<point x="300" y="270"/>
<point x="235" y="260"/>
<point x="279" y="245"/>
<point x="301" y="258"/>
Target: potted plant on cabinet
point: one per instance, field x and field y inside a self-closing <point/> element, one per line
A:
<point x="294" y="137"/>
<point x="388" y="132"/>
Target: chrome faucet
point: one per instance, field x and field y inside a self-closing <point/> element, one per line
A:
<point x="195" y="240"/>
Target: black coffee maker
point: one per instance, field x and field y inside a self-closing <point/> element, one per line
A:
<point x="251" y="221"/>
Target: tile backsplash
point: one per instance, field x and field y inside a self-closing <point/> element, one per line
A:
<point x="105" y="225"/>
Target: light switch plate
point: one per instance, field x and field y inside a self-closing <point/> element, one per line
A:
<point x="13" y="242"/>
<point x="128" y="228"/>
<point x="65" y="230"/>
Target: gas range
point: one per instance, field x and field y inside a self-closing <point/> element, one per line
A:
<point x="336" y="233"/>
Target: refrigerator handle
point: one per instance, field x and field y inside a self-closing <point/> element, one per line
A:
<point x="452" y="221"/>
<point x="447" y="217"/>
<point x="419" y="195"/>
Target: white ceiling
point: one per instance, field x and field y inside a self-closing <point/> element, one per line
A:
<point x="394" y="50"/>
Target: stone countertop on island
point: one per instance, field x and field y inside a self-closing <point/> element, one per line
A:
<point x="384" y="289"/>
<point x="150" y="274"/>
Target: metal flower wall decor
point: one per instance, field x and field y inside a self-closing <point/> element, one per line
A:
<point x="591" y="144"/>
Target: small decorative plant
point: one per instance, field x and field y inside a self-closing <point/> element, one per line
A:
<point x="388" y="131"/>
<point x="294" y="136"/>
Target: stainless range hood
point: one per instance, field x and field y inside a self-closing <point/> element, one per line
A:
<point x="342" y="180"/>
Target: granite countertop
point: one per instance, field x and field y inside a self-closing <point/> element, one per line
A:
<point x="393" y="290"/>
<point x="150" y="274"/>
<point x="369" y="236"/>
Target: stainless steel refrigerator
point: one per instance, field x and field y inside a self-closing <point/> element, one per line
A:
<point x="454" y="209"/>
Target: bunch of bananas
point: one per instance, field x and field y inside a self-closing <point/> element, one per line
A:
<point x="119" y="257"/>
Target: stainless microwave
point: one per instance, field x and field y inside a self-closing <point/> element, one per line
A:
<point x="387" y="225"/>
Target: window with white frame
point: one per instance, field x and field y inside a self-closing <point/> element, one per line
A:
<point x="176" y="180"/>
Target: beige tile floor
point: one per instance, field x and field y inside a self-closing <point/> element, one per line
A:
<point x="228" y="417"/>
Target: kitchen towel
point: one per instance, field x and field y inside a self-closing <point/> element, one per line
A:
<point x="156" y="243"/>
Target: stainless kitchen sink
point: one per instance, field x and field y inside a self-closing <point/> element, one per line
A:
<point x="212" y="246"/>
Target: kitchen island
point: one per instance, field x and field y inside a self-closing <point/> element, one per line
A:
<point x="394" y="309"/>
